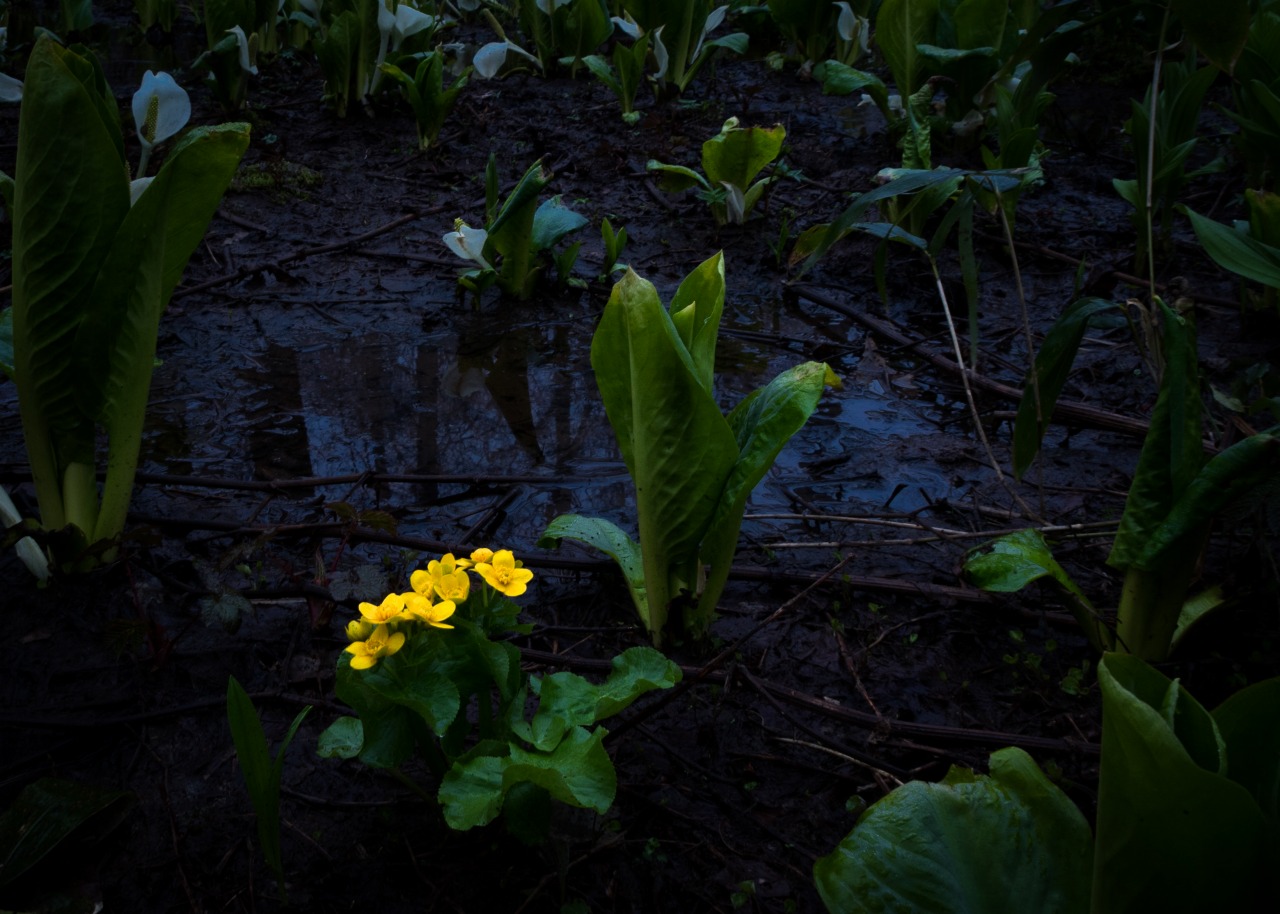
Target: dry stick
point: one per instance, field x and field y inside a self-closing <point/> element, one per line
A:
<point x="973" y="404"/>
<point x="739" y="573"/>
<point x="825" y="706"/>
<point x="303" y="253"/>
<point x="1065" y="411"/>
<point x="729" y="651"/>
<point x="1027" y="341"/>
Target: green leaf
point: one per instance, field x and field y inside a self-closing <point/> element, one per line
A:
<point x="1173" y="832"/>
<point x="1237" y="251"/>
<point x="1230" y="477"/>
<point x="613" y="542"/>
<point x="47" y="813"/>
<point x="1219" y="30"/>
<point x="577" y="772"/>
<point x="1016" y="560"/>
<point x="900" y="26"/>
<point x="1247" y="721"/>
<point x="676" y="178"/>
<point x="341" y="739"/>
<point x="1010" y="841"/>
<point x="639" y="357"/>
<point x="115" y="344"/>
<point x="737" y="154"/>
<point x="1171" y="453"/>
<point x="1053" y="366"/>
<point x="71" y="193"/>
<point x="552" y="222"/>
<point x="696" y="310"/>
<point x="762" y="425"/>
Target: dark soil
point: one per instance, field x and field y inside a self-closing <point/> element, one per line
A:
<point x="318" y="353"/>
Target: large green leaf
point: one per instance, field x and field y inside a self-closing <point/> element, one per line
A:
<point x="1239" y="471"/>
<point x="1172" y="453"/>
<point x="1238" y="251"/>
<point x="900" y="26"/>
<point x="552" y="221"/>
<point x="1219" y="29"/>
<point x="578" y="772"/>
<point x="115" y="343"/>
<point x="696" y="310"/>
<point x="1173" y="833"/>
<point x="674" y="440"/>
<point x="614" y="542"/>
<point x="567" y="700"/>
<point x="71" y="194"/>
<point x="1053" y="366"/>
<point x="973" y="844"/>
<point x="762" y="425"/>
<point x="46" y="814"/>
<point x="1247" y="721"/>
<point x="737" y="154"/>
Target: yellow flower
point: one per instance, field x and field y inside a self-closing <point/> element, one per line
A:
<point x="480" y="555"/>
<point x="420" y="608"/>
<point x="449" y="579"/>
<point x="388" y="611"/>
<point x="359" y="629"/>
<point x="504" y="573"/>
<point x="380" y="643"/>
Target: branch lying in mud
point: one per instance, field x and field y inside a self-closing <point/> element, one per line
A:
<point x="339" y="529"/>
<point x="1067" y="412"/>
<point x="834" y="709"/>
<point x="303" y="253"/>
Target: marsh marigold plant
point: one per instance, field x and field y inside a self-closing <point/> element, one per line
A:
<point x="434" y="670"/>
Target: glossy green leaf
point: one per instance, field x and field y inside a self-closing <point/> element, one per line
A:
<point x="610" y="539"/>
<point x="696" y="310"/>
<point x="1230" y="477"/>
<point x="900" y="26"/>
<point x="341" y="739"/>
<point x="1247" y="722"/>
<point x="553" y="221"/>
<point x="577" y="772"/>
<point x="115" y="343"/>
<point x="972" y="844"/>
<point x="1171" y="453"/>
<point x="737" y="155"/>
<point x="1053" y="367"/>
<point x="71" y="194"/>
<point x="1173" y="832"/>
<point x="676" y="178"/>
<point x="47" y="813"/>
<point x="762" y="425"/>
<point x="1237" y="250"/>
<point x="1219" y="29"/>
<point x="639" y="358"/>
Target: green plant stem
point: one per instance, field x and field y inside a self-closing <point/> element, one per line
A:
<point x="1150" y="604"/>
<point x="1151" y="150"/>
<point x="80" y="498"/>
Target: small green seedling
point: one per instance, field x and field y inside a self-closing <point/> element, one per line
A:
<point x="261" y="774"/>
<point x="731" y="160"/>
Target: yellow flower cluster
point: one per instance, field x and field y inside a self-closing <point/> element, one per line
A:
<point x="436" y="593"/>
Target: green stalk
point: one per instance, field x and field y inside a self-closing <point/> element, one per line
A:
<point x="1151" y="602"/>
<point x="80" y="498"/>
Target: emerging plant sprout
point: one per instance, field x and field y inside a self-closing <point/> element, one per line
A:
<point x="731" y="159"/>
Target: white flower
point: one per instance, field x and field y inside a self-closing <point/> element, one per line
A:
<point x="409" y="21"/>
<point x="136" y="187"/>
<point x="28" y="549"/>
<point x="627" y="26"/>
<point x="660" y="54"/>
<point x="161" y="108"/>
<point x="248" y="51"/>
<point x="467" y="243"/>
<point x="550" y="6"/>
<point x="10" y="89"/>
<point x="490" y="58"/>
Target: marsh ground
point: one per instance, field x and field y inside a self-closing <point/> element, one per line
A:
<point x="318" y="353"/>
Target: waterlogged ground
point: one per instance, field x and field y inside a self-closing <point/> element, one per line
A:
<point x="318" y="353"/>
